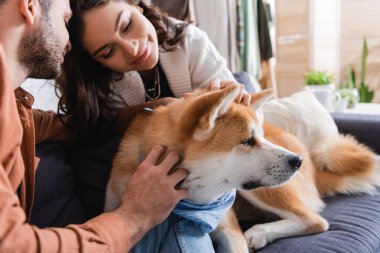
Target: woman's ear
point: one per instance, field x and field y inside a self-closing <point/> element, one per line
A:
<point x="28" y="9"/>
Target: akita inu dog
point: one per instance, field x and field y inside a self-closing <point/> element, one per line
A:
<point x="227" y="146"/>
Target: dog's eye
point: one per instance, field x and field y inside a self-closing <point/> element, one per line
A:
<point x="249" y="142"/>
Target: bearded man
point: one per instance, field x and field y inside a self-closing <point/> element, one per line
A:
<point x="33" y="42"/>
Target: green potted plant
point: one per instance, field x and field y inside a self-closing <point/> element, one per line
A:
<point x="321" y="84"/>
<point x="366" y="94"/>
<point x="317" y="80"/>
<point x="362" y="92"/>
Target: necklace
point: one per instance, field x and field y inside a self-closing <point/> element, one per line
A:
<point x="155" y="92"/>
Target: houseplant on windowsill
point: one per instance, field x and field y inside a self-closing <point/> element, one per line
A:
<point x="321" y="84"/>
<point x="362" y="92"/>
<point x="319" y="80"/>
<point x="366" y="94"/>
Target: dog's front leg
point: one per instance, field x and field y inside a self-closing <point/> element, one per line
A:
<point x="260" y="235"/>
<point x="228" y="236"/>
<point x="297" y="219"/>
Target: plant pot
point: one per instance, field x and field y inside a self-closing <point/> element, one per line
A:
<point x="352" y="94"/>
<point x="342" y="105"/>
<point x="326" y="95"/>
<point x="330" y="86"/>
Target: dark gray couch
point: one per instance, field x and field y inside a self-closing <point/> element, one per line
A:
<point x="71" y="185"/>
<point x="366" y="128"/>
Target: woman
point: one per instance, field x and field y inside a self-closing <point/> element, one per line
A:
<point x="126" y="54"/>
<point x="133" y="55"/>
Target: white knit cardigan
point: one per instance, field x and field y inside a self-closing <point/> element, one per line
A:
<point x="194" y="64"/>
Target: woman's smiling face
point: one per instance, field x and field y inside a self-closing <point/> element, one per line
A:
<point x="120" y="37"/>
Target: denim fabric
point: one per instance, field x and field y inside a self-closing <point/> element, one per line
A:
<point x="175" y="235"/>
<point x="207" y="216"/>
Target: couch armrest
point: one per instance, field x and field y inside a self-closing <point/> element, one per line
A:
<point x="366" y="128"/>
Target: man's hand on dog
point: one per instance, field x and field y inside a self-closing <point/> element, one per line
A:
<point x="151" y="193"/>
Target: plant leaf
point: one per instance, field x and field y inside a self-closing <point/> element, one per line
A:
<point x="364" y="60"/>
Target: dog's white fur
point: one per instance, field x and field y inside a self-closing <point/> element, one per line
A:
<point x="303" y="115"/>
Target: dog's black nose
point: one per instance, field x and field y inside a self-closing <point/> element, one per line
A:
<point x="295" y="161"/>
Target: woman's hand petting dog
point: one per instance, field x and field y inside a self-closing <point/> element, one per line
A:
<point x="151" y="193"/>
<point x="243" y="97"/>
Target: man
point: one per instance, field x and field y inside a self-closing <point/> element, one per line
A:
<point x="33" y="42"/>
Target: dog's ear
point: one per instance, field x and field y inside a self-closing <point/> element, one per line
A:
<point x="260" y="98"/>
<point x="199" y="118"/>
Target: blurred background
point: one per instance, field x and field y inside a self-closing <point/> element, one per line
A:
<point x="280" y="43"/>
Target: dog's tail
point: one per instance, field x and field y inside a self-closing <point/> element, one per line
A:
<point x="346" y="166"/>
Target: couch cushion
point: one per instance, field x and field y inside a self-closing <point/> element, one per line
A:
<point x="363" y="127"/>
<point x="245" y="79"/>
<point x="354" y="227"/>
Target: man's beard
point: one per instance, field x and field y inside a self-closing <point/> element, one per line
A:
<point x="40" y="53"/>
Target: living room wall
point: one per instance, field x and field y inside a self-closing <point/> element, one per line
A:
<point x="326" y="35"/>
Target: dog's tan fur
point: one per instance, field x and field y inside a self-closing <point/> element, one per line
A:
<point x="208" y="125"/>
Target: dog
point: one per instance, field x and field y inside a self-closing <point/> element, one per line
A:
<point x="227" y="146"/>
<point x="332" y="163"/>
<point x="215" y="137"/>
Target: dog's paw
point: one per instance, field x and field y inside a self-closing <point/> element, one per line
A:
<point x="256" y="237"/>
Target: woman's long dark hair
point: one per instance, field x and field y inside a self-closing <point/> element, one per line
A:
<point x="85" y="84"/>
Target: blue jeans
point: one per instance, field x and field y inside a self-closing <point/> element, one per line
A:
<point x="174" y="235"/>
